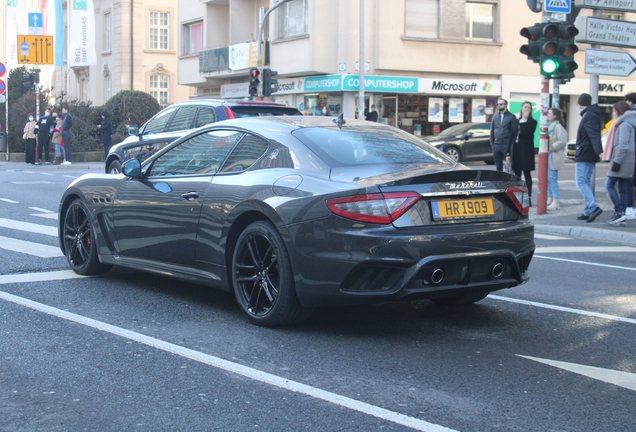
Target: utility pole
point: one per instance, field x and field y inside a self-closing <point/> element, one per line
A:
<point x="259" y="60"/>
<point x="361" y="67"/>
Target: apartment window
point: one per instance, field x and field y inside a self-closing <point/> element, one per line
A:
<point x="193" y="37"/>
<point x="480" y="21"/>
<point x="422" y="19"/>
<point x="159" y="28"/>
<point x="160" y="88"/>
<point x="107" y="32"/>
<point x="292" y="19"/>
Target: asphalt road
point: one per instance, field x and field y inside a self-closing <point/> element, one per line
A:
<point x="131" y="351"/>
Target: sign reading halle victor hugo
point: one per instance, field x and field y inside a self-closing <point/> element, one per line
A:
<point x="81" y="47"/>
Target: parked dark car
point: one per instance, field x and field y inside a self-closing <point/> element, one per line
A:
<point x="465" y="142"/>
<point x="178" y="119"/>
<point x="294" y="213"/>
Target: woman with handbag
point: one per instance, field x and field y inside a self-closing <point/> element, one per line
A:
<point x="29" y="140"/>
<point x="558" y="138"/>
<point x="523" y="149"/>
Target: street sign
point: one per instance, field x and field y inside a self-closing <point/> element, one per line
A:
<point x="35" y="24"/>
<point x="3" y="87"/>
<point x="3" y="69"/>
<point x="563" y="6"/>
<point x="35" y="49"/>
<point x="606" y="32"/>
<point x="623" y="6"/>
<point x="604" y="62"/>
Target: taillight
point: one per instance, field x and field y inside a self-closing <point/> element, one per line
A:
<point x="375" y="208"/>
<point x="519" y="197"/>
<point x="228" y="113"/>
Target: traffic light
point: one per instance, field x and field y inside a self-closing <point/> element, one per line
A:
<point x="533" y="48"/>
<point x="269" y="85"/>
<point x="566" y="48"/>
<point x="548" y="58"/>
<point x="28" y="80"/>
<point x="254" y="81"/>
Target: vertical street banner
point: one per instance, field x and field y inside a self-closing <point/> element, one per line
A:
<point x="53" y="22"/>
<point x="81" y="39"/>
<point x="16" y="24"/>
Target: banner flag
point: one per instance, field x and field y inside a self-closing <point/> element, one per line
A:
<point x="81" y="39"/>
<point x="15" y="24"/>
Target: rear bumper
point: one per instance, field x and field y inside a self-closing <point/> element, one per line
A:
<point x="357" y="267"/>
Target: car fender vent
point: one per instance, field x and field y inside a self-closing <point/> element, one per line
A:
<point x="372" y="279"/>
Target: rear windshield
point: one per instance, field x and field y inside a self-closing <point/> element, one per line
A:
<point x="362" y="146"/>
<point x="256" y="111"/>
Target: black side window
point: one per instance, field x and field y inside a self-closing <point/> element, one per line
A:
<point x="205" y="116"/>
<point x="246" y="153"/>
<point x="201" y="154"/>
<point x="158" y="123"/>
<point x="183" y="119"/>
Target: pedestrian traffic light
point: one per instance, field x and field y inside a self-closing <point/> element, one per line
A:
<point x="566" y="48"/>
<point x="254" y="81"/>
<point x="548" y="58"/>
<point x="533" y="48"/>
<point x="269" y="85"/>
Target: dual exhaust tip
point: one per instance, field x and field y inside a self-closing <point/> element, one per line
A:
<point x="436" y="276"/>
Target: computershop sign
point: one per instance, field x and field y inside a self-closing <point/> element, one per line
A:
<point x="388" y="84"/>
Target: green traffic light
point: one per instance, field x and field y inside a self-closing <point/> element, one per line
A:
<point x="549" y="66"/>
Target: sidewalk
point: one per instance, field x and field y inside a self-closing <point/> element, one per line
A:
<point x="565" y="222"/>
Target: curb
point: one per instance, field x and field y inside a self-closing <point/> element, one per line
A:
<point x="589" y="233"/>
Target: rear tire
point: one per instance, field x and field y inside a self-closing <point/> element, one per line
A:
<point x="79" y="243"/>
<point x="454" y="153"/>
<point x="460" y="300"/>
<point x="263" y="279"/>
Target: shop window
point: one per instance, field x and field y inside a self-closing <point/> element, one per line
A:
<point x="480" y="21"/>
<point x="292" y="19"/>
<point x="422" y="19"/>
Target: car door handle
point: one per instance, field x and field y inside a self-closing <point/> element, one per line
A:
<point x="191" y="196"/>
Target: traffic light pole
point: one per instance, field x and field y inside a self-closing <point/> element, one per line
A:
<point x="542" y="194"/>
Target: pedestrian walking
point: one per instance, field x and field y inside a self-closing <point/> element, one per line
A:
<point x="622" y="163"/>
<point x="630" y="99"/>
<point x="29" y="140"/>
<point x="558" y="138"/>
<point x="56" y="139"/>
<point x="588" y="150"/>
<point x="503" y="133"/>
<point x="44" y="127"/>
<point x="105" y="132"/>
<point x="522" y="152"/>
<point x="67" y="134"/>
<point x="372" y="115"/>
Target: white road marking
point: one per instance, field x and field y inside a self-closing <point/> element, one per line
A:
<point x="622" y="379"/>
<point x="563" y="309"/>
<point x="550" y="237"/>
<point x="10" y="201"/>
<point x="39" y="277"/>
<point x="29" y="227"/>
<point x="41" y="210"/>
<point x="586" y="263"/>
<point x="30" y="182"/>
<point x="46" y="215"/>
<point x="584" y="249"/>
<point x="70" y="176"/>
<point x="235" y="368"/>
<point x="31" y="248"/>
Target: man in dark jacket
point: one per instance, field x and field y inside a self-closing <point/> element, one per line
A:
<point x="588" y="149"/>
<point x="503" y="132"/>
<point x="67" y="134"/>
<point x="44" y="128"/>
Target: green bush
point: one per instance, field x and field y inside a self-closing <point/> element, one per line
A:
<point x="141" y="104"/>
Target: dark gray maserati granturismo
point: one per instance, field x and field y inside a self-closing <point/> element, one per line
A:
<point x="294" y="213"/>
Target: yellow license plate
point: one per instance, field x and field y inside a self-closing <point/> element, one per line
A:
<point x="463" y="208"/>
<point x="571" y="152"/>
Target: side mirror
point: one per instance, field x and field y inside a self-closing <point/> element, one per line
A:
<point x="132" y="130"/>
<point x="131" y="168"/>
<point x="468" y="135"/>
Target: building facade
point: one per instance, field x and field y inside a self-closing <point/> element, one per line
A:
<point x="136" y="48"/>
<point x="427" y="63"/>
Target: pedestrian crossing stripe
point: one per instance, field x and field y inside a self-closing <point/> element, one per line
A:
<point x="558" y="4"/>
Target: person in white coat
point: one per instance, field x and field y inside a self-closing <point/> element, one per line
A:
<point x="558" y="139"/>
